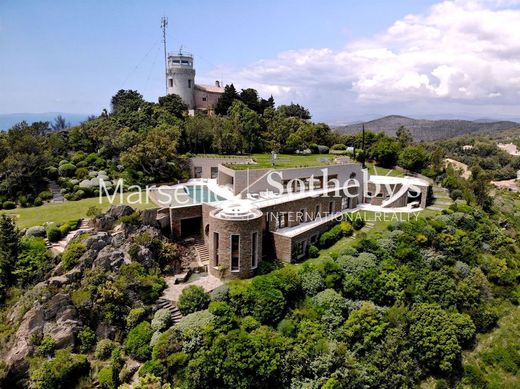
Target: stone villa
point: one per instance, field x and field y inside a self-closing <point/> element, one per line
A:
<point x="240" y="214"/>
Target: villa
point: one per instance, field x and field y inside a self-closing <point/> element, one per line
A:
<point x="240" y="212"/>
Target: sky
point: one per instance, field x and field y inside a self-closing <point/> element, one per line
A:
<point x="344" y="60"/>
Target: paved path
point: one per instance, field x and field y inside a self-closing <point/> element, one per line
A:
<point x="173" y="291"/>
<point x="57" y="196"/>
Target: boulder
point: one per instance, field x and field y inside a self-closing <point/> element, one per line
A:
<point x="109" y="258"/>
<point x="35" y="231"/>
<point x="98" y="241"/>
<point x="116" y="211"/>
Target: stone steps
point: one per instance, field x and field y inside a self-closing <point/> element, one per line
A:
<point x="164" y="303"/>
<point x="202" y="252"/>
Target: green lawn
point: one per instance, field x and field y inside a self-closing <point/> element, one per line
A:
<point x="381" y="171"/>
<point x="69" y="210"/>
<point x="264" y="161"/>
<point x="381" y="223"/>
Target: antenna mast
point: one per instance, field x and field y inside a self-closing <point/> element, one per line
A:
<point x="164" y="24"/>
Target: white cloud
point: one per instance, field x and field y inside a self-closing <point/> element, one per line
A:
<point x="461" y="52"/>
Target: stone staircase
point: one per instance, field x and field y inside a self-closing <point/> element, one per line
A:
<point x="59" y="247"/>
<point x="164" y="303"/>
<point x="202" y="252"/>
<point x="441" y="199"/>
<point x="57" y="196"/>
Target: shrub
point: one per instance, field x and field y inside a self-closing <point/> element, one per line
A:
<point x="330" y="237"/>
<point x="104" y="349"/>
<point x="161" y="320"/>
<point x="106" y="378"/>
<point x="358" y="224"/>
<point x="72" y="254"/>
<point x="64" y="229"/>
<point x="87" y="339"/>
<point x="314" y="252"/>
<point x="9" y="205"/>
<point x="45" y="195"/>
<point x="67" y="169"/>
<point x="192" y="299"/>
<point x="346" y="228"/>
<point x="93" y="212"/>
<point x="62" y="371"/>
<point x="338" y="146"/>
<point x="137" y="343"/>
<point x="37" y="202"/>
<point x="22" y="200"/>
<point x="47" y="346"/>
<point x="129" y="219"/>
<point x="153" y="367"/>
<point x="53" y="234"/>
<point x="81" y="172"/>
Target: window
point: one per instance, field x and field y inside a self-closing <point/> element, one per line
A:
<point x="299" y="249"/>
<point x="203" y="99"/>
<point x="171" y="82"/>
<point x="331" y="207"/>
<point x="283" y="219"/>
<point x="317" y="211"/>
<point x="301" y="215"/>
<point x="314" y="238"/>
<point x="235" y="252"/>
<point x="198" y="171"/>
<point x="215" y="247"/>
<point x="214" y="172"/>
<point x="254" y="250"/>
<point x="345" y="202"/>
<point x="189" y="83"/>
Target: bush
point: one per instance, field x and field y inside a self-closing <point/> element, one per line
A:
<point x="135" y="316"/>
<point x="314" y="252"/>
<point x="104" y="349"/>
<point x="137" y="343"/>
<point x="45" y="195"/>
<point x="330" y="237"/>
<point x="358" y="224"/>
<point x="81" y="172"/>
<point x="106" y="378"/>
<point x="37" y="202"/>
<point x="72" y="254"/>
<point x="192" y="299"/>
<point x="338" y="146"/>
<point x="63" y="371"/>
<point x="87" y="339"/>
<point x="64" y="229"/>
<point x="9" y="205"/>
<point x="153" y="367"/>
<point x="93" y="212"/>
<point x="22" y="200"/>
<point x="67" y="169"/>
<point x="47" y="346"/>
<point x="346" y="228"/>
<point x="161" y="320"/>
<point x="53" y="234"/>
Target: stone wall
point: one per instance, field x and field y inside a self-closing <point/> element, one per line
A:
<point x="206" y="163"/>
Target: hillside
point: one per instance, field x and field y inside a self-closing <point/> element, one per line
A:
<point x="429" y="129"/>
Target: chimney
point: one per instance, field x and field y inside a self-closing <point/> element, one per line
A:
<point x="217" y="84"/>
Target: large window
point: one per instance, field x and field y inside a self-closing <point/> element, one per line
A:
<point x="215" y="248"/>
<point x="299" y="249"/>
<point x="189" y="83"/>
<point x="254" y="250"/>
<point x="214" y="172"/>
<point x="235" y="252"/>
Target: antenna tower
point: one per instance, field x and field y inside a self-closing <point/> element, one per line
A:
<point x="164" y="24"/>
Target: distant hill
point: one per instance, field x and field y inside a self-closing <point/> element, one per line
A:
<point x="10" y="119"/>
<point x="430" y="129"/>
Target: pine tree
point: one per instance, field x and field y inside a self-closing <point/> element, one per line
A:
<point x="226" y="100"/>
<point x="9" y="247"/>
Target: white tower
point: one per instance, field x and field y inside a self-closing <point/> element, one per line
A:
<point x="181" y="77"/>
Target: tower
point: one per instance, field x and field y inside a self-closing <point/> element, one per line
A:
<point x="181" y="77"/>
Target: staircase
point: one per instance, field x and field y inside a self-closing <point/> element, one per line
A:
<point x="164" y="303"/>
<point x="57" y="196"/>
<point x="441" y="199"/>
<point x="202" y="252"/>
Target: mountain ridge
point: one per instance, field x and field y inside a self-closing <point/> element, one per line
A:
<point x="427" y="130"/>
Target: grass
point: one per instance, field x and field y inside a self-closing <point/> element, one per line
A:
<point x="68" y="210"/>
<point x="381" y="222"/>
<point x="264" y="161"/>
<point x="381" y="171"/>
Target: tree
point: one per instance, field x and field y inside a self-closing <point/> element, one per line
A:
<point x="137" y="343"/>
<point x="414" y="158"/>
<point x="249" y="97"/>
<point x="294" y="110"/>
<point x="126" y="101"/>
<point x="434" y="338"/>
<point x="173" y="104"/>
<point x="404" y="136"/>
<point x="60" y="123"/>
<point x="226" y="100"/>
<point x="9" y="248"/>
<point x="385" y="152"/>
<point x="192" y="299"/>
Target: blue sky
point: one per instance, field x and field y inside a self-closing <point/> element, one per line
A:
<point x="72" y="56"/>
